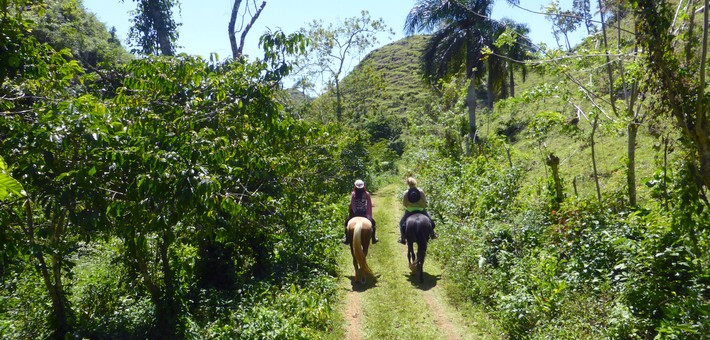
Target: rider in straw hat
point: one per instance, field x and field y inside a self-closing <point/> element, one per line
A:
<point x="360" y="205"/>
<point x="414" y="202"/>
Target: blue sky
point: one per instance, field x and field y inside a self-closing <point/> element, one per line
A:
<point x="204" y="22"/>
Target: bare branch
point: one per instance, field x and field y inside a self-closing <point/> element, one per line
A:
<point x="562" y="15"/>
<point x="230" y="29"/>
<point x="249" y="26"/>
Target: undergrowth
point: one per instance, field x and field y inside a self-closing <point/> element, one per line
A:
<point x="589" y="269"/>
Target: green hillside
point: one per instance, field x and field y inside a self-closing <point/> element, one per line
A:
<point x="397" y="70"/>
<point x="399" y="66"/>
<point x="66" y="24"/>
<point x="387" y="81"/>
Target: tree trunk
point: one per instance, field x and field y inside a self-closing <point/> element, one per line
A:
<point x="704" y="158"/>
<point x="490" y="89"/>
<point x="569" y="46"/>
<point x="230" y="29"/>
<point x="594" y="159"/>
<point x="471" y="103"/>
<point x="161" y="30"/>
<point x="554" y="163"/>
<point x="156" y="295"/>
<point x="574" y="185"/>
<point x="237" y="49"/>
<point x="339" y="107"/>
<point x="512" y="81"/>
<point x="248" y="27"/>
<point x="703" y="130"/>
<point x="167" y="311"/>
<point x="665" y="171"/>
<point x="610" y="74"/>
<point x="631" y="162"/>
<point x="60" y="310"/>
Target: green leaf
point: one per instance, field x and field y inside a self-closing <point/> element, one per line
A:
<point x="9" y="185"/>
<point x="14" y="61"/>
<point x="92" y="171"/>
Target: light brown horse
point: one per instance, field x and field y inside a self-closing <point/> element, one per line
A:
<point x="360" y="231"/>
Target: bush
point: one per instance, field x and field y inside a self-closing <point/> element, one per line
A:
<point x="589" y="269"/>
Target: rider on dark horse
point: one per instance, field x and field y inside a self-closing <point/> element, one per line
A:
<point x="414" y="202"/>
<point x="360" y="205"/>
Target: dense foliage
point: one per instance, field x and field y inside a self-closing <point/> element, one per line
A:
<point x="170" y="197"/>
<point x="596" y="262"/>
<point x="587" y="269"/>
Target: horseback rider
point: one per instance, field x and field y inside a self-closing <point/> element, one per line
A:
<point x="360" y="205"/>
<point x="414" y="202"/>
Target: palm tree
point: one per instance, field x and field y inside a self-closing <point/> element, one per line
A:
<point x="516" y="53"/>
<point x="496" y="70"/>
<point x="462" y="30"/>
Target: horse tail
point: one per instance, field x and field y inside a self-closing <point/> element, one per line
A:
<point x="357" y="249"/>
<point x="422" y="239"/>
<point x="421" y="250"/>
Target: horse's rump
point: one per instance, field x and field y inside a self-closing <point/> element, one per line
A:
<point x="418" y="228"/>
<point x="360" y="230"/>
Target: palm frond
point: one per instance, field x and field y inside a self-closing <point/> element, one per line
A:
<point x="445" y="52"/>
<point x="429" y="15"/>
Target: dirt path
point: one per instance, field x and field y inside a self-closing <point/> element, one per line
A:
<point x="395" y="305"/>
<point x="352" y="315"/>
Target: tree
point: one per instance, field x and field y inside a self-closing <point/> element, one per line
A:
<point x="54" y="197"/>
<point x="563" y="22"/>
<point x="154" y="31"/>
<point x="516" y="48"/>
<point x="496" y="70"/>
<point x="238" y="48"/>
<point x="463" y="29"/>
<point x="332" y="47"/>
<point x="681" y="85"/>
<point x="630" y="79"/>
<point x="510" y="51"/>
<point x="584" y="10"/>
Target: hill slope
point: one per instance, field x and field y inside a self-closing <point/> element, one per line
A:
<point x="389" y="81"/>
<point x="67" y="24"/>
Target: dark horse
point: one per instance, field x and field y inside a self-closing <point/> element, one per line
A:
<point x="418" y="229"/>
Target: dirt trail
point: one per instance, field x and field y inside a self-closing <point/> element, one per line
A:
<point x="352" y="315"/>
<point x="395" y="305"/>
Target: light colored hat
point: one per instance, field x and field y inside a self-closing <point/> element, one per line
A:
<point x="411" y="182"/>
<point x="359" y="184"/>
